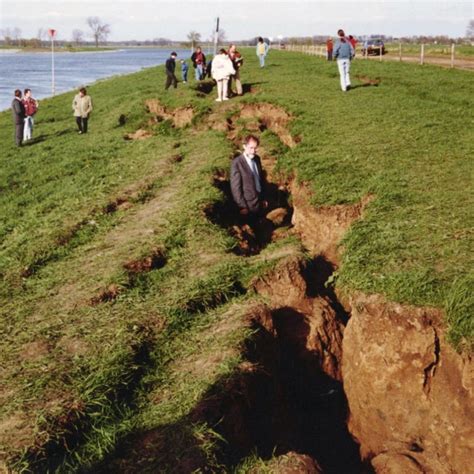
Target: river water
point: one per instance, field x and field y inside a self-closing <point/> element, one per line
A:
<point x="33" y="70"/>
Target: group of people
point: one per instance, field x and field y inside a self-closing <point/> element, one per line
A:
<point x="24" y="107"/>
<point x="224" y="68"/>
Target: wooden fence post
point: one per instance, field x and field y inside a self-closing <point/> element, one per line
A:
<point x="400" y="51"/>
<point x="452" y="55"/>
<point x="422" y="54"/>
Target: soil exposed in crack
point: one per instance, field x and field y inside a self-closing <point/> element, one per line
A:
<point x="250" y="241"/>
<point x="288" y="395"/>
<point x="154" y="261"/>
<point x="180" y="117"/>
<point x="284" y="399"/>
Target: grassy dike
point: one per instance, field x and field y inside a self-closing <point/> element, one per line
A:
<point x="121" y="304"/>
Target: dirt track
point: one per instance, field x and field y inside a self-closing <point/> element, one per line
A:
<point x="460" y="63"/>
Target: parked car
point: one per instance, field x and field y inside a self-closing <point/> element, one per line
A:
<point x="373" y="46"/>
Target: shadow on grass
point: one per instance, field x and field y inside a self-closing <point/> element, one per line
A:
<point x="275" y="402"/>
<point x="249" y="87"/>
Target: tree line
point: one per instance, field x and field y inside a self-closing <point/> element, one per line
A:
<point x="98" y="31"/>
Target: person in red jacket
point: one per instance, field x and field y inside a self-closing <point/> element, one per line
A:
<point x="31" y="106"/>
<point x="329" y="48"/>
<point x="199" y="63"/>
<point x="353" y="42"/>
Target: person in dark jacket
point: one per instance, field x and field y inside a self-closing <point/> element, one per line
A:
<point x="170" y="67"/>
<point x="247" y="182"/>
<point x="19" y="115"/>
<point x="199" y="63"/>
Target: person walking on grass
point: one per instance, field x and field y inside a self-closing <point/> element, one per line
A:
<point x="199" y="63"/>
<point x="222" y="69"/>
<point x="82" y="107"/>
<point x="247" y="182"/>
<point x="262" y="50"/>
<point x="18" y="113"/>
<point x="343" y="53"/>
<point x="31" y="106"/>
<point x="170" y="67"/>
<point x="184" y="71"/>
<point x="237" y="61"/>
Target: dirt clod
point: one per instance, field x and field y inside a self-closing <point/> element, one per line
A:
<point x="140" y="134"/>
<point x="155" y="260"/>
<point x="106" y="295"/>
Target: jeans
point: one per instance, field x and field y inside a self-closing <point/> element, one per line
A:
<point x="28" y="129"/>
<point x="344" y="66"/>
<point x="262" y="59"/>
<point x="199" y="72"/>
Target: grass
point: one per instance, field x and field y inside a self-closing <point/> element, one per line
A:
<point x="82" y="377"/>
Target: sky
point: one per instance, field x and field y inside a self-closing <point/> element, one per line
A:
<point x="241" y="19"/>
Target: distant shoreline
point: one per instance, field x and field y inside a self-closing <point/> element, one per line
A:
<point x="57" y="50"/>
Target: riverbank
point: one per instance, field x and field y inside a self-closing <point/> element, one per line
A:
<point x="142" y="325"/>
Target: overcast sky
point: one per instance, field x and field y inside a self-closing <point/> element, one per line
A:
<point x="241" y="19"/>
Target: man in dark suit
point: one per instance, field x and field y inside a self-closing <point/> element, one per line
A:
<point x="247" y="182"/>
<point x="18" y="111"/>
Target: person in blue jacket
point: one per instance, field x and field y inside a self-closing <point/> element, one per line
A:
<point x="184" y="71"/>
<point x="343" y="53"/>
<point x="262" y="50"/>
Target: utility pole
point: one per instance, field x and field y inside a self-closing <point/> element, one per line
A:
<point x="51" y="34"/>
<point x="216" y="36"/>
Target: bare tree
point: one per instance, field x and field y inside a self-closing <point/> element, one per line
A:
<point x="16" y="35"/>
<point x="221" y="37"/>
<point x="194" y="37"/>
<point x="470" y="29"/>
<point x="77" y="36"/>
<point x="41" y="36"/>
<point x="100" y="30"/>
<point x="7" y="35"/>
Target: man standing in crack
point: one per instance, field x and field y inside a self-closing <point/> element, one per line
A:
<point x="247" y="182"/>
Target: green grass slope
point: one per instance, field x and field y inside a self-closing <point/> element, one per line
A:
<point x="113" y="278"/>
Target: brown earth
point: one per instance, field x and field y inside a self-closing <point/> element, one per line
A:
<point x="140" y="134"/>
<point x="410" y="394"/>
<point x="420" y="404"/>
<point x="322" y="228"/>
<point x="180" y="117"/>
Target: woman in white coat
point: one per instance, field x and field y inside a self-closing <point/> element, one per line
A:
<point x="221" y="70"/>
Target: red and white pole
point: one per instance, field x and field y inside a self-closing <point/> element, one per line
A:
<point x="52" y="34"/>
